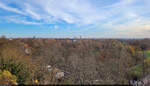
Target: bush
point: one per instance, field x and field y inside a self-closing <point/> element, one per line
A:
<point x="6" y="78"/>
<point x="20" y="68"/>
<point x="14" y="60"/>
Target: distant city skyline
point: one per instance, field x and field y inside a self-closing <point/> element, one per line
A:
<point x="75" y="18"/>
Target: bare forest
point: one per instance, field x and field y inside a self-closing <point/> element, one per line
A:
<point x="73" y="61"/>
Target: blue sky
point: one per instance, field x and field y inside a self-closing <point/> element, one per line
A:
<point x="75" y="18"/>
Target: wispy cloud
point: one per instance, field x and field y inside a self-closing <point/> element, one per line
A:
<point x="139" y="28"/>
<point x="30" y="12"/>
<point x="118" y="16"/>
<point x="70" y="11"/>
<point x="5" y="7"/>
<point x="19" y="20"/>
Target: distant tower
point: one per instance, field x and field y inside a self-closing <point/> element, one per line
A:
<point x="34" y="37"/>
<point x="80" y="37"/>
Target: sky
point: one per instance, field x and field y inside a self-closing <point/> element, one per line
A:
<point x="75" y="18"/>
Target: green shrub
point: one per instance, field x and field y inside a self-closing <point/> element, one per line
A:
<point x="20" y="68"/>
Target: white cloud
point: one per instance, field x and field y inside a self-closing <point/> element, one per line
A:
<point x="20" y="20"/>
<point x="70" y="11"/>
<point x="80" y="12"/>
<point x="31" y="13"/>
<point x="3" y="6"/>
<point x="56" y="27"/>
<point x="139" y="28"/>
<point x="122" y="16"/>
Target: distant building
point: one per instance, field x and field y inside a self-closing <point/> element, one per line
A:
<point x="74" y="40"/>
<point x="26" y="45"/>
<point x="142" y="82"/>
<point x="10" y="39"/>
<point x="49" y="68"/>
<point x="57" y="73"/>
<point x="27" y="51"/>
<point x="146" y="80"/>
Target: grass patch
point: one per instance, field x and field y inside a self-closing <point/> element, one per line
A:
<point x="147" y="53"/>
<point x="136" y="70"/>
